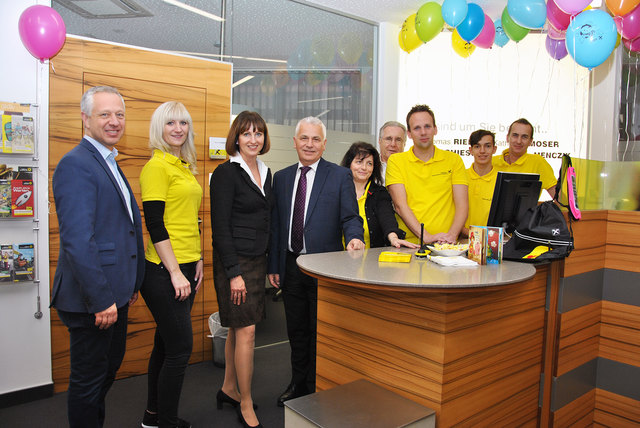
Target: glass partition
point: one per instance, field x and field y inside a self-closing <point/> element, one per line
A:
<point x="290" y="60"/>
<point x="607" y="185"/>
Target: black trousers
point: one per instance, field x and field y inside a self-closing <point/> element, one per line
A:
<point x="300" y="296"/>
<point x="95" y="357"/>
<point x="172" y="343"/>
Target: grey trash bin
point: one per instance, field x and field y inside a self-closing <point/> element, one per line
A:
<point x="219" y="337"/>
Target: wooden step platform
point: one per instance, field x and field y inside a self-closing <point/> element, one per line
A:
<point x="357" y="404"/>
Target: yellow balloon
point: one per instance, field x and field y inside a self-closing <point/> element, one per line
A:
<point x="461" y="46"/>
<point x="401" y="42"/>
<point x="408" y="34"/>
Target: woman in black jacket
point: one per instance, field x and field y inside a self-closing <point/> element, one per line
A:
<point x="241" y="202"/>
<point x="374" y="202"/>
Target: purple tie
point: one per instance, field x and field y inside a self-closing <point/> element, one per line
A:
<point x="297" y="224"/>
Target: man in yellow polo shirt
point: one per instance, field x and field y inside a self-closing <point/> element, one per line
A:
<point x="516" y="158"/>
<point x="427" y="185"/>
<point x="482" y="178"/>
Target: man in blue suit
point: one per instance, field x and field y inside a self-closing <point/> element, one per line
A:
<point x="315" y="206"/>
<point x="101" y="261"/>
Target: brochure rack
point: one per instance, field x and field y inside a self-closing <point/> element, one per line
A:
<point x="19" y="186"/>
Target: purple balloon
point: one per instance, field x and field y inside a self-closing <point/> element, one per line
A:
<point x="557" y="49"/>
<point x="42" y="31"/>
<point x="629" y="25"/>
<point x="559" y="19"/>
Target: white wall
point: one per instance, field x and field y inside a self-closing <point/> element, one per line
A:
<point x="25" y="349"/>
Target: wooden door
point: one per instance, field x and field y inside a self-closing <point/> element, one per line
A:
<point x="145" y="79"/>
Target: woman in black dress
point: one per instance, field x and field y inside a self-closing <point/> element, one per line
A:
<point x="374" y="202"/>
<point x="241" y="202"/>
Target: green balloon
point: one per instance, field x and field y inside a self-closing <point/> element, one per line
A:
<point x="511" y="29"/>
<point x="429" y="21"/>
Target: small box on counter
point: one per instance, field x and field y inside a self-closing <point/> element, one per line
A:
<point x="493" y="246"/>
<point x="476" y="244"/>
<point x="485" y="244"/>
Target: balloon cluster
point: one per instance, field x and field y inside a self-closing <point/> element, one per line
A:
<point x="573" y="28"/>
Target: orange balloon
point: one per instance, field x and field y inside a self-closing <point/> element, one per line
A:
<point x="621" y="7"/>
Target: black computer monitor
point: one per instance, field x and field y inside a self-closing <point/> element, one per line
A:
<point x="513" y="195"/>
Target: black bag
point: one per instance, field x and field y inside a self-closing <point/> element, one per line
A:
<point x="542" y="226"/>
<point x="541" y="234"/>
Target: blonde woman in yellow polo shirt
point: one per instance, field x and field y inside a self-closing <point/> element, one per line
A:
<point x="482" y="178"/>
<point x="171" y="199"/>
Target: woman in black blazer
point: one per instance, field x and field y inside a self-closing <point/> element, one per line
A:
<point x="374" y="201"/>
<point x="241" y="202"/>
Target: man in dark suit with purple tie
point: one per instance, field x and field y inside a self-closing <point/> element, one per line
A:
<point x="315" y="206"/>
<point x="101" y="262"/>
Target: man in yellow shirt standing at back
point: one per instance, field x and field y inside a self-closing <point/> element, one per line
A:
<point x="427" y="185"/>
<point x="482" y="177"/>
<point x="516" y="158"/>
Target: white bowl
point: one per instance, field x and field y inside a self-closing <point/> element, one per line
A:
<point x="445" y="253"/>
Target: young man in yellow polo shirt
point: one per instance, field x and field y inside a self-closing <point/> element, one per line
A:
<point x="427" y="185"/>
<point x="516" y="158"/>
<point x="482" y="177"/>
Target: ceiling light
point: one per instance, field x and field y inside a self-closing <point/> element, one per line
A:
<point x="241" y="81"/>
<point x="194" y="10"/>
<point x="281" y="61"/>
<point x="320" y="99"/>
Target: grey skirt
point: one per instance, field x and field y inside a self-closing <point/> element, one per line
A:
<point x="254" y="273"/>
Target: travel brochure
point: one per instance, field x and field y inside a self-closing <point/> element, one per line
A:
<point x="18" y="128"/>
<point x="17" y="262"/>
<point x="16" y="191"/>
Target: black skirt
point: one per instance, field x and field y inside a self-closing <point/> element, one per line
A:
<point x="254" y="273"/>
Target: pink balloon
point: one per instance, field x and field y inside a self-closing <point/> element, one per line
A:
<point x="487" y="35"/>
<point x="632" y="45"/>
<point x="629" y="24"/>
<point x="559" y="19"/>
<point x="556" y="34"/>
<point x="572" y="7"/>
<point x="42" y="31"/>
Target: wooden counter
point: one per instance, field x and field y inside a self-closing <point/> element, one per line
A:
<point x="464" y="341"/>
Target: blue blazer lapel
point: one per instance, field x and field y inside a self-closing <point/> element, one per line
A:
<point x="318" y="182"/>
<point x="103" y="163"/>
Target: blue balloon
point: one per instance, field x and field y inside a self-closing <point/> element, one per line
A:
<point x="454" y="11"/>
<point x="591" y="37"/>
<point x="528" y="13"/>
<point x="472" y="24"/>
<point x="501" y="37"/>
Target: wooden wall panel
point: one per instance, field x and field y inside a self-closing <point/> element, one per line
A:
<point x="145" y="79"/>
<point x="623" y="241"/>
<point x="620" y="333"/>
<point x="590" y="235"/>
<point x="579" y="337"/>
<point x="578" y="413"/>
<point x="615" y="410"/>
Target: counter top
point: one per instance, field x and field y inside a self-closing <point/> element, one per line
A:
<point x="363" y="267"/>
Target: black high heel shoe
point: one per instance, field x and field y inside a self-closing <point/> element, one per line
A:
<point x="243" y="422"/>
<point x="221" y="397"/>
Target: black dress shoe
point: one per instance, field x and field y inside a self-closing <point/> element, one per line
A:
<point x="221" y="397"/>
<point x="243" y="422"/>
<point x="292" y="391"/>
